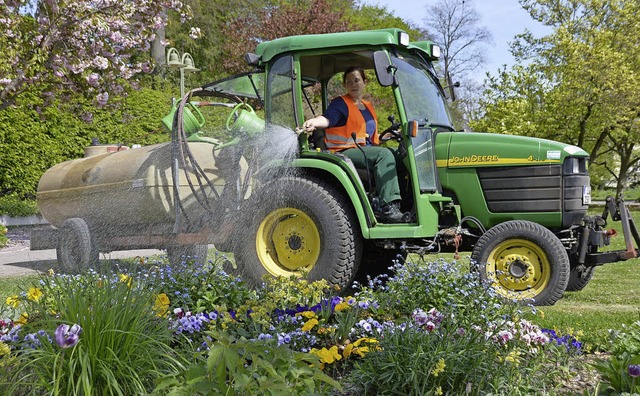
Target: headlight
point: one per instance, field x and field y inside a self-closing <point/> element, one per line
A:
<point x="586" y="195"/>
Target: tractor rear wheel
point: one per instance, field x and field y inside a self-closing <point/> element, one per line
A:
<point x="523" y="260"/>
<point x="579" y="276"/>
<point x="76" y="248"/>
<point x="298" y="225"/>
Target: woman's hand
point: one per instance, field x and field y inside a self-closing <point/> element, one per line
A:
<point x="315" y="123"/>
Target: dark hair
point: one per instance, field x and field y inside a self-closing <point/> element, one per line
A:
<point x="351" y="70"/>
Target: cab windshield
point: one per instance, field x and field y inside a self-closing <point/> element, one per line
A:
<point x="422" y="98"/>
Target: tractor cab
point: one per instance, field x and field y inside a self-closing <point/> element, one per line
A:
<point x="295" y="78"/>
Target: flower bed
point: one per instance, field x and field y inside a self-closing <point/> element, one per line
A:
<point x="427" y="329"/>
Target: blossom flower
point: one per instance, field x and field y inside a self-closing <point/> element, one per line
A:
<point x="67" y="337"/>
<point x="439" y="368"/>
<point x="125" y="279"/>
<point x="342" y="306"/>
<point x="634" y="370"/>
<point x="161" y="304"/>
<point x="34" y="294"/>
<point x="13" y="301"/>
<point x="102" y="98"/>
<point x="310" y="324"/>
<point x="4" y="349"/>
<point x="22" y="319"/>
<point x="327" y="356"/>
<point x="195" y="33"/>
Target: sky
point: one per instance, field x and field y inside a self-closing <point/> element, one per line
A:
<point x="504" y="19"/>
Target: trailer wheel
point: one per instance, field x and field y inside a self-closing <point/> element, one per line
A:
<point x="196" y="254"/>
<point x="296" y="225"/>
<point x="579" y="276"/>
<point x="523" y="260"/>
<point x="76" y="248"/>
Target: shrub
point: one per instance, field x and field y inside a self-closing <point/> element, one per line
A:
<point x="12" y="205"/>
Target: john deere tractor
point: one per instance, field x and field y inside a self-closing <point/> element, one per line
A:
<point x="517" y="204"/>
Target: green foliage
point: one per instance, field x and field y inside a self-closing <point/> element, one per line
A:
<point x="3" y="236"/>
<point x="34" y="138"/>
<point x="625" y="350"/>
<point x="14" y="206"/>
<point x="236" y="366"/>
<point x="123" y="347"/>
<point x="561" y="94"/>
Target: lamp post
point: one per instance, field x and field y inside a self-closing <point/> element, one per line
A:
<point x="184" y="63"/>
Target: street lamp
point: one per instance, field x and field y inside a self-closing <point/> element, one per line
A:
<point x="184" y="63"/>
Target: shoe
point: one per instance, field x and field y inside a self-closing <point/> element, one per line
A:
<point x="391" y="212"/>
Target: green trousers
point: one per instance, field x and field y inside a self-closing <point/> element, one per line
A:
<point x="382" y="163"/>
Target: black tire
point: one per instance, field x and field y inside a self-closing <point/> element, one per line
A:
<point x="377" y="261"/>
<point x="196" y="254"/>
<point x="523" y="260"/>
<point x="76" y="248"/>
<point x="579" y="276"/>
<point x="296" y="224"/>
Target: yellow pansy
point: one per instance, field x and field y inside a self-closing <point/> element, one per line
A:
<point x="310" y="324"/>
<point x="34" y="294"/>
<point x="341" y="306"/>
<point x="439" y="368"/>
<point x="4" y="349"/>
<point x="161" y="304"/>
<point x="13" y="301"/>
<point x="327" y="356"/>
<point x="22" y="319"/>
<point x="355" y="348"/>
<point x="307" y="314"/>
<point x="51" y="272"/>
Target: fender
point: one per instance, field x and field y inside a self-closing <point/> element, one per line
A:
<point x="347" y="178"/>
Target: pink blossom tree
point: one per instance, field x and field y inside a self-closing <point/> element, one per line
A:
<point x="94" y="47"/>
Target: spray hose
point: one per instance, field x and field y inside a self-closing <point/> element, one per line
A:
<point x="182" y="158"/>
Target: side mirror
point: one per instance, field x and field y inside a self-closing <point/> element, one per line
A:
<point x="451" y="86"/>
<point x="385" y="71"/>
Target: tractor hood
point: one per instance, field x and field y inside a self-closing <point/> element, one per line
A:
<point x="474" y="149"/>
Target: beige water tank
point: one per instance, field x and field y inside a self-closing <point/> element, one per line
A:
<point x="131" y="186"/>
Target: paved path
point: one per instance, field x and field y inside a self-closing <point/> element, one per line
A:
<point x="16" y="259"/>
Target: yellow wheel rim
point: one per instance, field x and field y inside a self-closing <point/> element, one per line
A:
<point x="518" y="269"/>
<point x="287" y="241"/>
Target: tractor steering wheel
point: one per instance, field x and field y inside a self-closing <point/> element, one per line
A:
<point x="392" y="131"/>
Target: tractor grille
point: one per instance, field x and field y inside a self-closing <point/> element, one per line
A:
<point x="522" y="188"/>
<point x="548" y="188"/>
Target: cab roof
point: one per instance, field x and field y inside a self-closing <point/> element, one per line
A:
<point x="269" y="49"/>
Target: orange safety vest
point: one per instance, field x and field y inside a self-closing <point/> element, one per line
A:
<point x="339" y="138"/>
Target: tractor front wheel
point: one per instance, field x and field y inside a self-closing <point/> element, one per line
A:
<point x="523" y="260"/>
<point x="296" y="225"/>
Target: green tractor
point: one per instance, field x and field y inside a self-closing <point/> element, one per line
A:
<point x="517" y="204"/>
